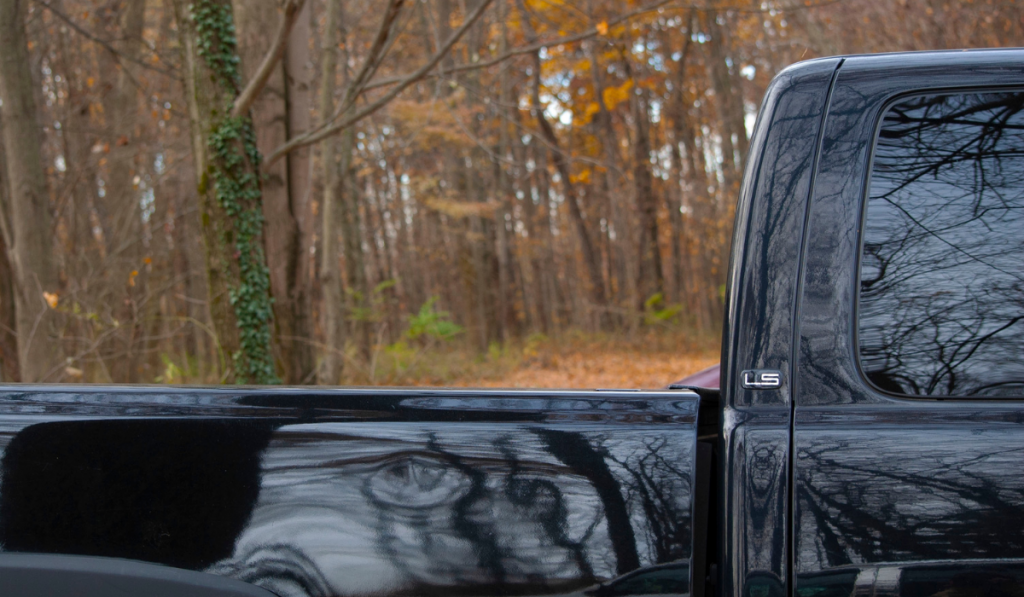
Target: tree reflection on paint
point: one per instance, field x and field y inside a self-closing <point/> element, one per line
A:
<point x="899" y="495"/>
<point x="400" y="510"/>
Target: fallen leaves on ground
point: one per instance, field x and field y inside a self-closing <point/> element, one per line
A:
<point x="577" y="370"/>
<point x="580" y="362"/>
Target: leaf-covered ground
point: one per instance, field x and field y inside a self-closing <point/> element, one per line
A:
<point x="604" y="369"/>
<point x="579" y="361"/>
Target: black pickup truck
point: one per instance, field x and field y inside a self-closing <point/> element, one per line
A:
<point x="868" y="438"/>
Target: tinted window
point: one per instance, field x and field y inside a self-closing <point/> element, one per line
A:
<point x="942" y="274"/>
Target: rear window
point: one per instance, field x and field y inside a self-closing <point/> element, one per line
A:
<point x="941" y="306"/>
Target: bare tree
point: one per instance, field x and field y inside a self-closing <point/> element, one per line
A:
<point x="26" y="215"/>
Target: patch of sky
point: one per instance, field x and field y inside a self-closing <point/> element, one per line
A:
<point x="662" y="160"/>
<point x="148" y="204"/>
<point x="655" y="110"/>
<point x="749" y="118"/>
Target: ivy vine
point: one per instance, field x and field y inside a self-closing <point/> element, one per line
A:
<point x="218" y="46"/>
<point x="233" y="165"/>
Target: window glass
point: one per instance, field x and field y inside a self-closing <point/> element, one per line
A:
<point x="942" y="272"/>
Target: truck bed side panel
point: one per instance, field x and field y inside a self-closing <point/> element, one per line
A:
<point x="349" y="492"/>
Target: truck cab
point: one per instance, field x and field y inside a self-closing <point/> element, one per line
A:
<point x="879" y="274"/>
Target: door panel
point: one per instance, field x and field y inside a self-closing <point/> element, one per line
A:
<point x="356" y="492"/>
<point x="900" y="495"/>
<point x="907" y="484"/>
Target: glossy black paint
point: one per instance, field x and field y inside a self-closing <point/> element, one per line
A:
<point x="38" y="575"/>
<point x="348" y="492"/>
<point x="755" y="436"/>
<point x="893" y="490"/>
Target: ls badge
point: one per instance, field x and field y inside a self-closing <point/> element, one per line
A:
<point x="762" y="379"/>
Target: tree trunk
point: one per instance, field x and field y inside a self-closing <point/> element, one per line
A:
<point x="81" y="267"/>
<point x="8" y="338"/>
<point x="680" y="129"/>
<point x="346" y="195"/>
<point x="156" y="322"/>
<point x="650" y="279"/>
<point x="27" y="230"/>
<point x="505" y="193"/>
<point x="332" y="308"/>
<point x="121" y="216"/>
<point x="190" y="268"/>
<point x="230" y="198"/>
<point x="120" y="106"/>
<point x="352" y="232"/>
<point x="590" y="256"/>
<point x="730" y="106"/>
<point x="299" y="75"/>
<point x="626" y="293"/>
<point x="541" y="244"/>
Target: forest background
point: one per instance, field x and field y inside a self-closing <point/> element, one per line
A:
<point x="482" y="192"/>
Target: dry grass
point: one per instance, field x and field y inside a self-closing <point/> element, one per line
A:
<point x="652" y="360"/>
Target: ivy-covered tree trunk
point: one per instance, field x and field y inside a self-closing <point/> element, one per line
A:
<point x="285" y="196"/>
<point x="230" y="196"/>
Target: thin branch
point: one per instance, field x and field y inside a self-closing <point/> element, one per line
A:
<point x="527" y="49"/>
<point x="381" y="45"/>
<point x="580" y="37"/>
<point x="373" y="59"/>
<point x="106" y="46"/>
<point x="252" y="89"/>
<point x="315" y="136"/>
